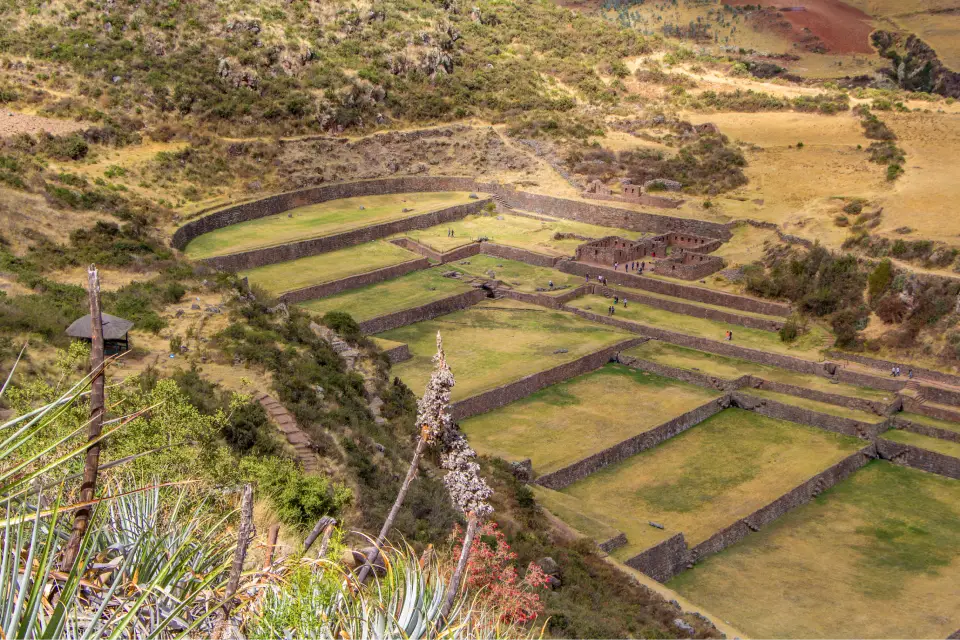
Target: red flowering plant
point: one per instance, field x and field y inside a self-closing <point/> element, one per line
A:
<point x="492" y="576"/>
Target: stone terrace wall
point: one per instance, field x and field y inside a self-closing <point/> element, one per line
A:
<point x="512" y="391"/>
<point x="579" y="470"/>
<point x="398" y="353"/>
<point x="613" y="543"/>
<point x="611" y="216"/>
<point x="325" y="244"/>
<point x="677" y="290"/>
<point x="423" y="312"/>
<point x="352" y="282"/>
<point x="466" y="251"/>
<point x="791" y="413"/>
<point x="691" y="377"/>
<point x="886" y="365"/>
<point x="909" y="456"/>
<point x="520" y="255"/>
<point x="866" y="380"/>
<point x="663" y="560"/>
<point x="702" y="344"/>
<point x="688" y="266"/>
<point x="669" y="558"/>
<point x="941" y="413"/>
<point x="693" y="310"/>
<point x="870" y="406"/>
<point x="926" y="430"/>
<point x="692" y="243"/>
<point x="542" y="299"/>
<point x="940" y="395"/>
<point x="315" y="195"/>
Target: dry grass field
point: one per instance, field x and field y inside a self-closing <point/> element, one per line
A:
<point x="303" y="272"/>
<point x="496" y="342"/>
<point x="313" y="221"/>
<point x="706" y="478"/>
<point x="876" y="556"/>
<point x="572" y="420"/>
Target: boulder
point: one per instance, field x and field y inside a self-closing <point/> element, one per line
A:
<point x="549" y="566"/>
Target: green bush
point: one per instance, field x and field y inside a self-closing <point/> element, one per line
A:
<point x="299" y="500"/>
<point x="880" y="279"/>
<point x="789" y="331"/>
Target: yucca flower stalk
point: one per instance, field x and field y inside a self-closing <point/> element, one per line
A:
<point x="433" y="419"/>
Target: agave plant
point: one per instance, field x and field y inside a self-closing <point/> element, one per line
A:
<point x="321" y="599"/>
<point x="142" y="570"/>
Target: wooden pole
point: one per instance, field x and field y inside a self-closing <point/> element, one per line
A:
<point x="271" y="545"/>
<point x="244" y="535"/>
<point x="457" y="577"/>
<point x="326" y="541"/>
<point x="91" y="463"/>
<point x="322" y="525"/>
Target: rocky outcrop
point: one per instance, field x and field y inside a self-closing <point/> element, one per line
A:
<point x="915" y="65"/>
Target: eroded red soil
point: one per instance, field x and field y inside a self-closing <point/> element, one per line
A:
<point x="839" y="27"/>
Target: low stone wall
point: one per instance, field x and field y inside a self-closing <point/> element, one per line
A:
<point x="702" y="344"/>
<point x="940" y="395"/>
<point x="646" y="200"/>
<point x="691" y="377"/>
<point x="677" y="290"/>
<point x="672" y="556"/>
<point x="909" y="456"/>
<point x="326" y="244"/>
<point x="693" y="310"/>
<point x="466" y="251"/>
<point x="866" y="380"/>
<point x="688" y="266"/>
<point x="791" y="413"/>
<point x="314" y="195"/>
<point x="520" y="255"/>
<point x="611" y="216"/>
<point x="870" y="406"/>
<point x="423" y="312"/>
<point x="398" y="353"/>
<point x="512" y="391"/>
<point x="663" y="560"/>
<point x="352" y="282"/>
<point x="925" y="430"/>
<point x="579" y="470"/>
<point x="941" y="413"/>
<point x="886" y="366"/>
<point x="613" y="543"/>
<point x="542" y="299"/>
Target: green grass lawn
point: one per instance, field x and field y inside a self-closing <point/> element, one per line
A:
<point x="519" y="275"/>
<point x="706" y="478"/>
<point x="931" y="422"/>
<point x="814" y="405"/>
<point x="496" y="342"/>
<point x="946" y="447"/>
<point x="567" y="509"/>
<point x="807" y="346"/>
<point x="303" y="272"/>
<point x="704" y="305"/>
<point x="516" y="231"/>
<point x="876" y="556"/>
<point x="412" y="290"/>
<point x="731" y="368"/>
<point x="313" y="221"/>
<point x="574" y="419"/>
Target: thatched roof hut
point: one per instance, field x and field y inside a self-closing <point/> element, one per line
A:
<point x="115" y="330"/>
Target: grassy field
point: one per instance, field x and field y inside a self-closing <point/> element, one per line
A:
<point x="706" y="478"/>
<point x="731" y="368"/>
<point x="807" y="346"/>
<point x="296" y="274"/>
<point x="876" y="556"/>
<point x="519" y="275"/>
<point x="946" y="447"/>
<point x="933" y="422"/>
<point x="405" y="292"/>
<point x="572" y="420"/>
<point x="813" y="405"/>
<point x="703" y="305"/>
<point x="517" y="231"/>
<point x="313" y="221"/>
<point x="496" y="342"/>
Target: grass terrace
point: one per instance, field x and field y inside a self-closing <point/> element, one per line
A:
<point x="731" y="368"/>
<point x="931" y="422"/>
<point x="316" y="220"/>
<point x="707" y="477"/>
<point x="326" y="267"/>
<point x="519" y="275"/>
<point x="577" y="418"/>
<point x="496" y="342"/>
<point x="946" y="447"/>
<point x="876" y="556"/>
<point x="533" y="234"/>
<point x="703" y="305"/>
<point x="807" y="346"/>
<point x="814" y="405"/>
<point x="412" y="290"/>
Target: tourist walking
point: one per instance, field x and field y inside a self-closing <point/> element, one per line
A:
<point x="616" y="265"/>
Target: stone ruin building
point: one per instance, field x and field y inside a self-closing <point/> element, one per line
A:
<point x="597" y="190"/>
<point x="687" y="258"/>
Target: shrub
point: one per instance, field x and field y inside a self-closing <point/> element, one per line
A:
<point x="880" y="279"/>
<point x="343" y="323"/>
<point x="854" y="207"/>
<point x="298" y="499"/>
<point x="789" y="331"/>
<point x="172" y="293"/>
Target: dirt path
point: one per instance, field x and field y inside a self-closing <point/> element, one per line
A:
<point x="13" y="123"/>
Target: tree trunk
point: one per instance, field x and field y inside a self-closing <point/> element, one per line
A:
<point x="388" y="523"/>
<point x="81" y="520"/>
<point x="272" y="535"/>
<point x="244" y="535"/>
<point x="457" y="577"/>
<point x="322" y="525"/>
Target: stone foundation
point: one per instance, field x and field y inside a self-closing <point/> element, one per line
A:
<point x="613" y="543"/>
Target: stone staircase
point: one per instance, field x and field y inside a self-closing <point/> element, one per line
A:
<point x="501" y="202"/>
<point x="287" y="425"/>
<point x="914" y="388"/>
<point x="350" y="357"/>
